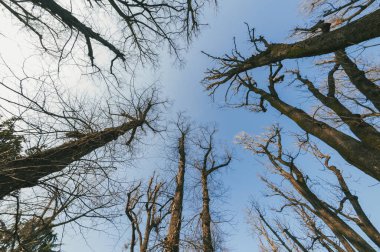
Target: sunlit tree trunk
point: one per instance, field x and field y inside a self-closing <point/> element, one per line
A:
<point x="173" y="236"/>
<point x="205" y="215"/>
<point x="25" y="172"/>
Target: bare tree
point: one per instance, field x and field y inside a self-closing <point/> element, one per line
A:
<point x="210" y="163"/>
<point x="27" y="170"/>
<point x="28" y="223"/>
<point x="263" y="228"/>
<point x="350" y="104"/>
<point x="147" y="208"/>
<point x="362" y="219"/>
<point x="327" y="42"/>
<point x="125" y="28"/>
<point x="317" y="233"/>
<point x="60" y="154"/>
<point x="56" y="146"/>
<point x="172" y="241"/>
<point x="334" y="217"/>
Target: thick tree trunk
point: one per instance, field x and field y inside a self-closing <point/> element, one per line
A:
<point x="25" y="172"/>
<point x="353" y="151"/>
<point x="173" y="237"/>
<point x="357" y="77"/>
<point x="363" y="29"/>
<point x="205" y="215"/>
<point x="364" y="131"/>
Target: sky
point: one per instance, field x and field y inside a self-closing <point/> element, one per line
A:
<point x="182" y="85"/>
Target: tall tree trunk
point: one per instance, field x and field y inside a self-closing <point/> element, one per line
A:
<point x="148" y="229"/>
<point x="133" y="236"/>
<point x="173" y="237"/>
<point x="25" y="172"/>
<point x="205" y="215"/>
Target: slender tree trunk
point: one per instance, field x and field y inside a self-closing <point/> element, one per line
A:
<point x="273" y="231"/>
<point x="295" y="240"/>
<point x="205" y="215"/>
<point x="323" y="239"/>
<point x="331" y="219"/>
<point x="363" y="222"/>
<point x="148" y="228"/>
<point x="133" y="238"/>
<point x="173" y="237"/>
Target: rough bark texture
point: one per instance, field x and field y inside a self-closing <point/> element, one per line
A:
<point x="173" y="237"/>
<point x="353" y="151"/>
<point x="363" y="130"/>
<point x="25" y="172"/>
<point x="363" y="29"/>
<point x="369" y="89"/>
<point x="205" y="215"/>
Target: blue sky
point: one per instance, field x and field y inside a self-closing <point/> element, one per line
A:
<point x="274" y="19"/>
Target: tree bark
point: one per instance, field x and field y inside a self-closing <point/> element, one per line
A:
<point x="331" y="219"/>
<point x="353" y="151"/>
<point x="364" y="131"/>
<point x="363" y="29"/>
<point x="206" y="166"/>
<point x="357" y="77"/>
<point x="295" y="240"/>
<point x="26" y="172"/>
<point x="205" y="215"/>
<point x="70" y="20"/>
<point x="173" y="237"/>
<point x="363" y="222"/>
